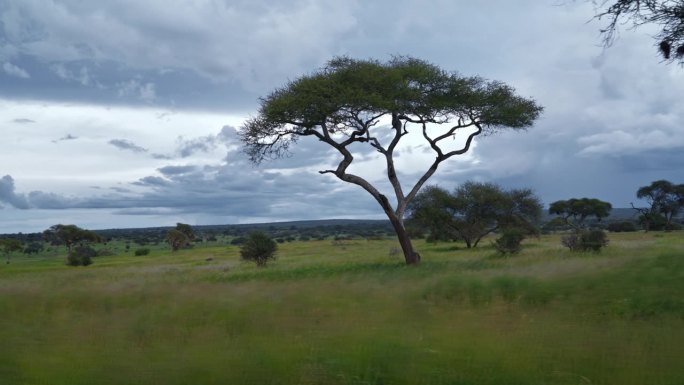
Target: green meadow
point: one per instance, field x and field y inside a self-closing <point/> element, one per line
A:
<point x="350" y="312"/>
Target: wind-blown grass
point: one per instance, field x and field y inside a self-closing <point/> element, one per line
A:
<point x="351" y="314"/>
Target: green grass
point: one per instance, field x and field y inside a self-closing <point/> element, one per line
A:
<point x="351" y="314"/>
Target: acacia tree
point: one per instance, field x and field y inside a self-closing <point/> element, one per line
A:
<point x="665" y="200"/>
<point x="667" y="14"/>
<point x="8" y="246"/>
<point x="346" y="103"/>
<point x="70" y="235"/>
<point x="575" y="211"/>
<point x="475" y="210"/>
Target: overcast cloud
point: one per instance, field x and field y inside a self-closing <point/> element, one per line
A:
<point x="122" y="113"/>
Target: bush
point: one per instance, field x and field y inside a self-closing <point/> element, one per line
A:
<point x="510" y="241"/>
<point x="81" y="256"/>
<point x="586" y="240"/>
<point x="593" y="240"/>
<point x="142" y="251"/>
<point x="105" y="253"/>
<point x="624" y="226"/>
<point x="238" y="241"/>
<point x="259" y="248"/>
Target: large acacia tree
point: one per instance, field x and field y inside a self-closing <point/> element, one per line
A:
<point x="350" y="102"/>
<point x="668" y="15"/>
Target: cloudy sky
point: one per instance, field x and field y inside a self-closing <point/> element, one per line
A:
<point x="123" y="113"/>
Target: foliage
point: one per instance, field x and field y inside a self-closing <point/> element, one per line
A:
<point x="510" y="241"/>
<point x="70" y="235"/>
<point x="623" y="226"/>
<point x="33" y="248"/>
<point x="474" y="210"/>
<point x="593" y="240"/>
<point x="344" y="103"/>
<point x="575" y="211"/>
<point x="81" y="256"/>
<point x="187" y="230"/>
<point x="10" y="245"/>
<point x="586" y="240"/>
<point x="76" y="241"/>
<point x="668" y="15"/>
<point x="665" y="200"/>
<point x="177" y="239"/>
<point x="142" y="251"/>
<point x="259" y="248"/>
<point x="180" y="237"/>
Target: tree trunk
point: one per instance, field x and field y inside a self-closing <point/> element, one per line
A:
<point x="410" y="256"/>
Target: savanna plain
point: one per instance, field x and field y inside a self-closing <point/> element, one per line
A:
<point x="351" y="312"/>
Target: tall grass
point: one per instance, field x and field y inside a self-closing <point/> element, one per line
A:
<point x="351" y="314"/>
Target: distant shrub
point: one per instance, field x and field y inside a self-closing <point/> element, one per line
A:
<point x="259" y="248"/>
<point x="510" y="241"/>
<point x="593" y="240"/>
<point x="586" y="240"/>
<point x="238" y="241"/>
<point x="620" y="227"/>
<point x="142" y="251"/>
<point x="81" y="256"/>
<point x="104" y="253"/>
<point x="304" y="238"/>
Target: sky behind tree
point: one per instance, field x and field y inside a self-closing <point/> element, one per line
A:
<point x="124" y="113"/>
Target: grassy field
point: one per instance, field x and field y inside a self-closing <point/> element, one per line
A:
<point x="350" y="313"/>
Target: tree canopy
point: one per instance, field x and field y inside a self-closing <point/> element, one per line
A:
<point x="352" y="101"/>
<point x="664" y="199"/>
<point x="9" y="245"/>
<point x="475" y="210"/>
<point x="575" y="211"/>
<point x="70" y="235"/>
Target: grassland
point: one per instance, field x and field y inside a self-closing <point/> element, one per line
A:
<point x="351" y="314"/>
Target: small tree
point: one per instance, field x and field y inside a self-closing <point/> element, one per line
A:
<point x="10" y="245"/>
<point x="574" y="212"/>
<point x="352" y="103"/>
<point x="475" y="210"/>
<point x="665" y="200"/>
<point x="177" y="239"/>
<point x="259" y="248"/>
<point x="72" y="236"/>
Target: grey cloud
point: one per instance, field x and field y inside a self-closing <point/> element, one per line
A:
<point x="13" y="70"/>
<point x="9" y="196"/>
<point x="121" y="190"/>
<point x="66" y="137"/>
<point x="123" y="144"/>
<point x="175" y="170"/>
<point x="23" y="121"/>
<point x="192" y="146"/>
<point x="152" y="181"/>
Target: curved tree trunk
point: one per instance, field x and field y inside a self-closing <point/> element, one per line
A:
<point x="410" y="255"/>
